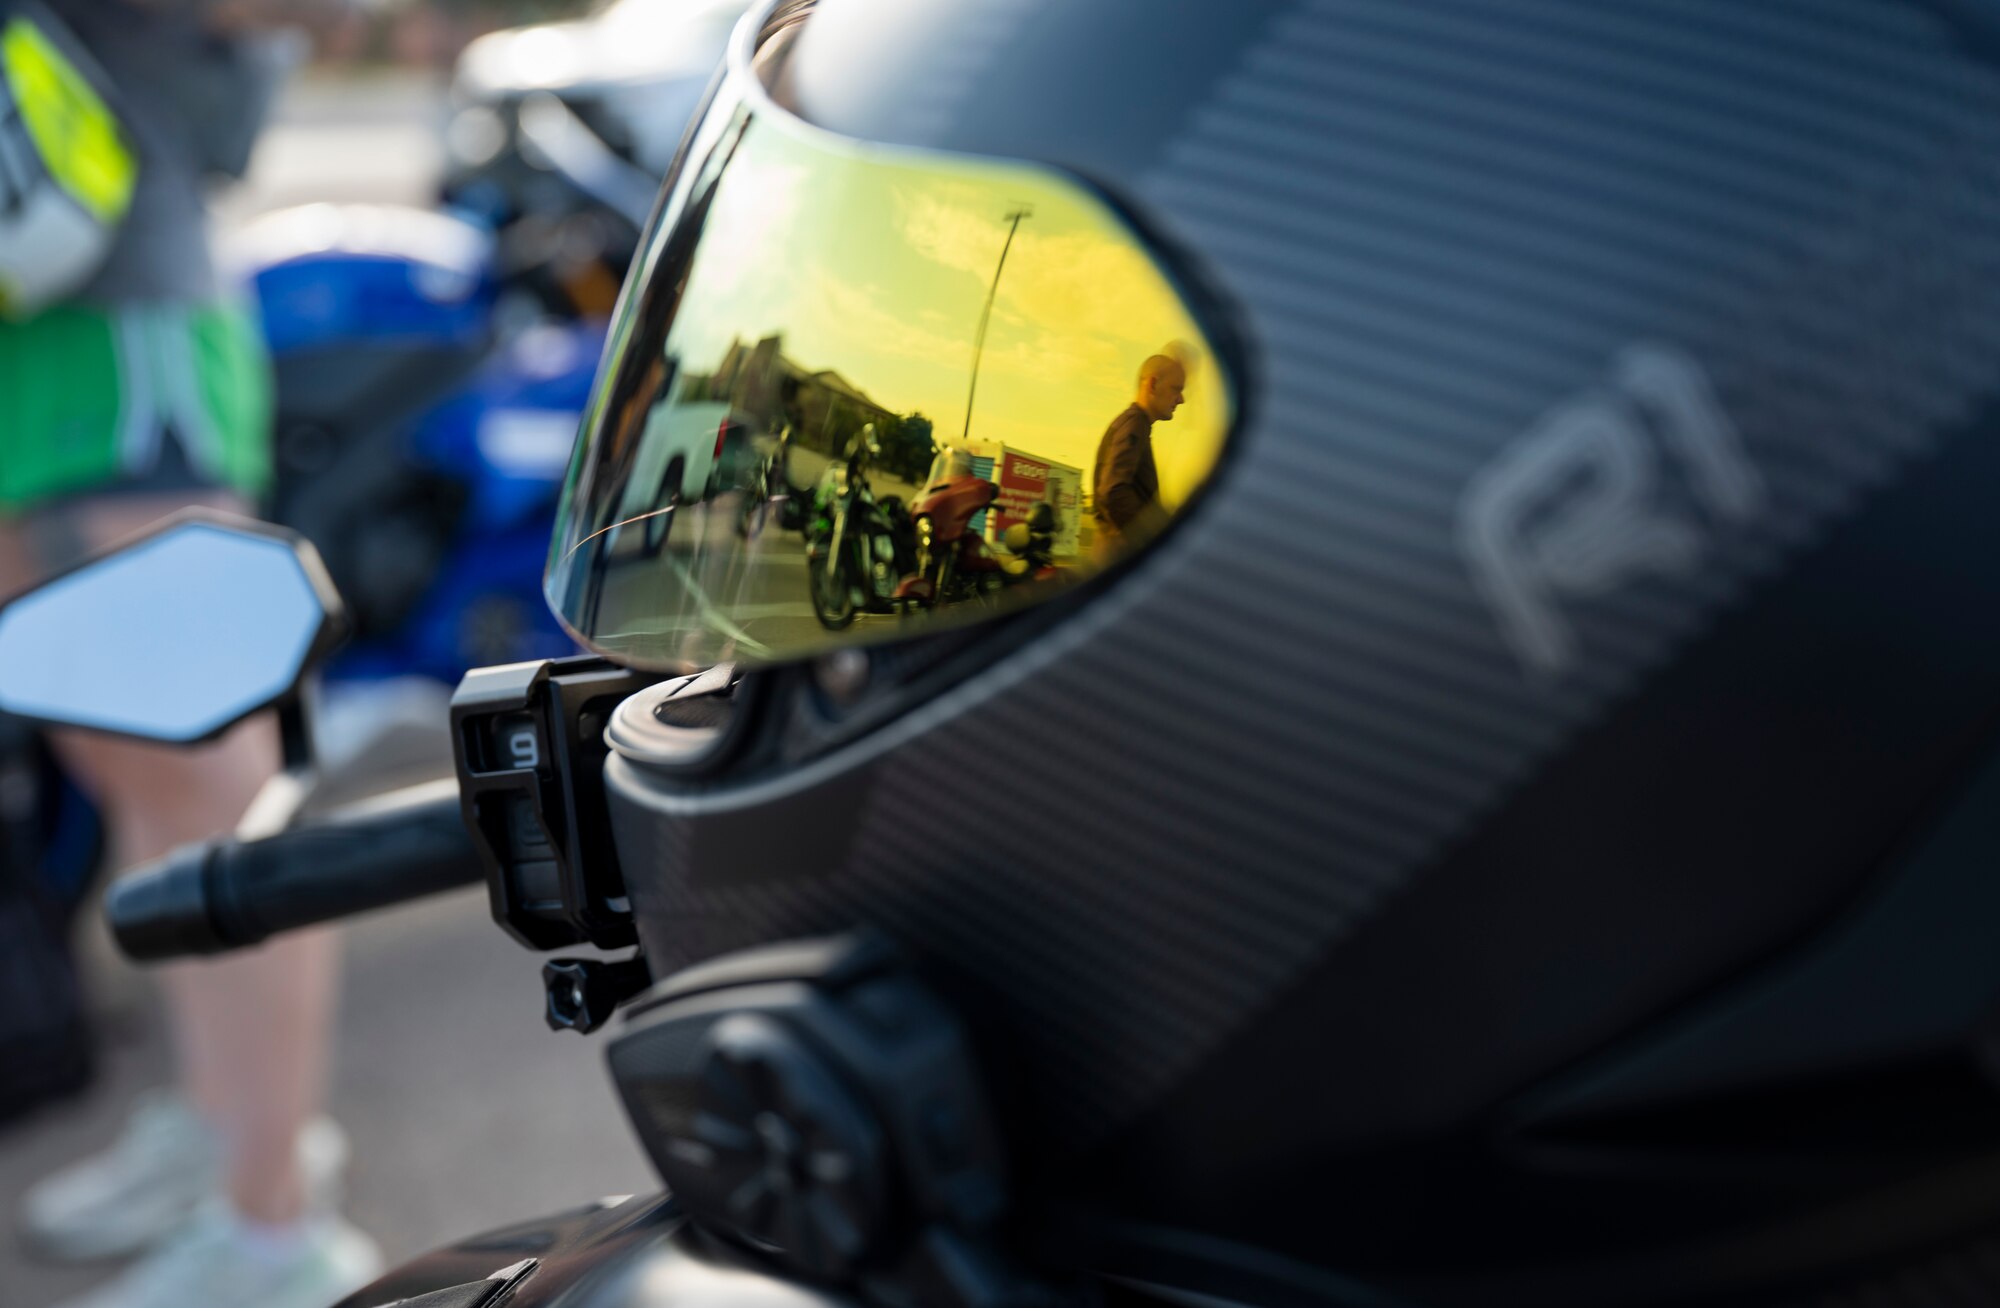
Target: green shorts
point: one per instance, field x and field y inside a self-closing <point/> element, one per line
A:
<point x="147" y="397"/>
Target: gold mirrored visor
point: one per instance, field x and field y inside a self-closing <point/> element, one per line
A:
<point x="855" y="391"/>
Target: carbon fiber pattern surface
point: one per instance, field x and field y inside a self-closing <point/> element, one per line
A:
<point x="1450" y="224"/>
<point x="1967" y="1276"/>
<point x="949" y="70"/>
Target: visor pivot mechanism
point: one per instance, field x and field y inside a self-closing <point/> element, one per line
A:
<point x="842" y="675"/>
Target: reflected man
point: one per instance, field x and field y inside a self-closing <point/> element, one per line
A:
<point x="1125" y="483"/>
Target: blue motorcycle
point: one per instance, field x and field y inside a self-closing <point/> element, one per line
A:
<point x="426" y="403"/>
<point x="431" y="369"/>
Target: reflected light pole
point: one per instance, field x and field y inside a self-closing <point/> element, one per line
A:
<point x="1013" y="221"/>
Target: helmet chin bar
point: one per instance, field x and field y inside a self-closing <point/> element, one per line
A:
<point x="817" y="1102"/>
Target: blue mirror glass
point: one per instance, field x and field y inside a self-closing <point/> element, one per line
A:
<point x="172" y="638"/>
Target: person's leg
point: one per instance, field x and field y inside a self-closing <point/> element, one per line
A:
<point x="251" y="1035"/>
<point x="251" y="1031"/>
<point x="176" y="395"/>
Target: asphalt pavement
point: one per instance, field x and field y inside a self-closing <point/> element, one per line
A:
<point x="465" y="1112"/>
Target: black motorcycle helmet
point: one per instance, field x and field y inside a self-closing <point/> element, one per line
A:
<point x="1528" y="830"/>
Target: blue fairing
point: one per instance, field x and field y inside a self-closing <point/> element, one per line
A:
<point x="309" y="302"/>
<point x="332" y="275"/>
<point x="489" y="579"/>
<point x="358" y="303"/>
<point x="506" y="436"/>
<point x="508" y="433"/>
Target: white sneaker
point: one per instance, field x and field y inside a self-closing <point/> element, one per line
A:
<point x="210" y="1263"/>
<point x="152" y="1178"/>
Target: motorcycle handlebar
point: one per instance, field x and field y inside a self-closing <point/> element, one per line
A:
<point x="227" y="893"/>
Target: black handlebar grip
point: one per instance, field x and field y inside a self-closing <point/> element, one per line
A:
<point x="226" y="893"/>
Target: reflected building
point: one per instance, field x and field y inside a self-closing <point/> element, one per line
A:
<point x="753" y="380"/>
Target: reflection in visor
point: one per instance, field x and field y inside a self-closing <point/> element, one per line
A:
<point x="863" y="389"/>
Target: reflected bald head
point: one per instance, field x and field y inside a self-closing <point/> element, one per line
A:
<point x="1157" y="365"/>
<point x="1162" y="379"/>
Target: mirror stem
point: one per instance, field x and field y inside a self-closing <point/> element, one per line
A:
<point x="295" y="730"/>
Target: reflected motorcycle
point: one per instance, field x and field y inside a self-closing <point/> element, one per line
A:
<point x="954" y="561"/>
<point x="857" y="548"/>
<point x="770" y="485"/>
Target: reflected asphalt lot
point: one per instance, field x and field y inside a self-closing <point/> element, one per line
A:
<point x="464" y="1110"/>
<point x="756" y="591"/>
<point x="750" y="592"/>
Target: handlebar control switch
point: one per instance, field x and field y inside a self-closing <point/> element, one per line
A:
<point x="584" y="992"/>
<point x="529" y="742"/>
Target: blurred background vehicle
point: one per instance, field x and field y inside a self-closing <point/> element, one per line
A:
<point x="423" y="419"/>
<point x="435" y="321"/>
<point x="631" y="70"/>
<point x="432" y="366"/>
<point x="51" y="848"/>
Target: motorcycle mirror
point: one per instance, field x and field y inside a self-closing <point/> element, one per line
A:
<point x="173" y="636"/>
